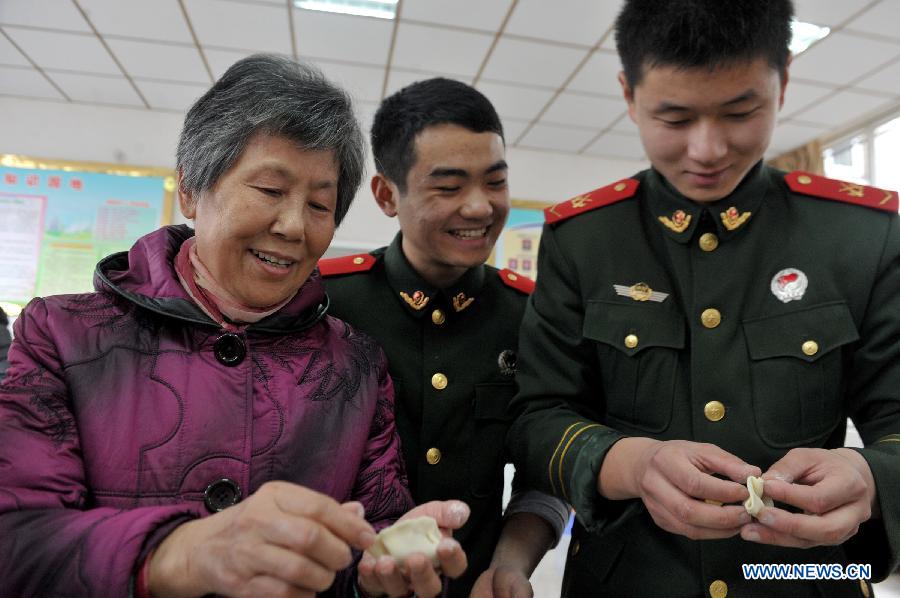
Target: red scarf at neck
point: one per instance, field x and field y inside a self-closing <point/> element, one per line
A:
<point x="211" y="297"/>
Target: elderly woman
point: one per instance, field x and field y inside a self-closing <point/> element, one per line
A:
<point x="194" y="425"/>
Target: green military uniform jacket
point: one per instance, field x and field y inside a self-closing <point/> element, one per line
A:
<point x="757" y="323"/>
<point x="451" y="355"/>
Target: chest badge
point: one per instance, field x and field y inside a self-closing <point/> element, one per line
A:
<point x="640" y="292"/>
<point x="789" y="285"/>
<point x="507" y="362"/>
<point x="417" y="301"/>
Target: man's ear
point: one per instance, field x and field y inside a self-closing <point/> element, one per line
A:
<point x="186" y="200"/>
<point x="784" y="80"/>
<point x="387" y="196"/>
<point x="628" y="93"/>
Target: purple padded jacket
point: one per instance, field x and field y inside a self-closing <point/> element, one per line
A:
<point x="124" y="409"/>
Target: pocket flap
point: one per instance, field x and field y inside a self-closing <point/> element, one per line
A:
<point x="611" y="323"/>
<point x="492" y="400"/>
<point x="806" y="334"/>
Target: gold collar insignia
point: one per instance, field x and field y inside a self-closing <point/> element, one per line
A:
<point x="460" y="302"/>
<point x="732" y="219"/>
<point x="417" y="301"/>
<point x="678" y="222"/>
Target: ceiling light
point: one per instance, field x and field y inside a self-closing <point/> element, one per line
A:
<point x="382" y="9"/>
<point x="804" y="35"/>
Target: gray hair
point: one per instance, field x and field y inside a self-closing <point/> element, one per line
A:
<point x="274" y="95"/>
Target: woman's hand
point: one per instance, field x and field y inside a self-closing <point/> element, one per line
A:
<point x="386" y="576"/>
<point x="284" y="540"/>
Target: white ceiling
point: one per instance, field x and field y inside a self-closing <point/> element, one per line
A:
<point x="549" y="67"/>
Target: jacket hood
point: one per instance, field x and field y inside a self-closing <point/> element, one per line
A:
<point x="145" y="275"/>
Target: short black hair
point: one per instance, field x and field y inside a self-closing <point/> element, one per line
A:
<point x="702" y="33"/>
<point x="418" y="106"/>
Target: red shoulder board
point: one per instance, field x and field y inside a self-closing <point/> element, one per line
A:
<point x="346" y="264"/>
<point x="861" y="195"/>
<point x="515" y="280"/>
<point x="597" y="198"/>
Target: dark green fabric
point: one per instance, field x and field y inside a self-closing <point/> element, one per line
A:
<point x="582" y="389"/>
<point x="467" y="420"/>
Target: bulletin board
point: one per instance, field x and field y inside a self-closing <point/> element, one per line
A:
<point x="517" y="246"/>
<point x="59" y="218"/>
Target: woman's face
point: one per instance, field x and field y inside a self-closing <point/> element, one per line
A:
<point x="267" y="221"/>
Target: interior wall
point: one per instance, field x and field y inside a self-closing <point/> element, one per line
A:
<point x="50" y="129"/>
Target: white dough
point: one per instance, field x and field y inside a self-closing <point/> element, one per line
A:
<point x="757" y="499"/>
<point x="407" y="537"/>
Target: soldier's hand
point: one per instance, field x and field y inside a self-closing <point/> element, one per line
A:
<point x="502" y="582"/>
<point x="834" y="488"/>
<point x="675" y="481"/>
<point x="416" y="574"/>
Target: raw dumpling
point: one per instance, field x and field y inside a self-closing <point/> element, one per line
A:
<point x="757" y="500"/>
<point x="420" y="534"/>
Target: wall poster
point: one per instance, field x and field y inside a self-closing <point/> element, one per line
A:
<point x="58" y="218"/>
<point x="517" y="246"/>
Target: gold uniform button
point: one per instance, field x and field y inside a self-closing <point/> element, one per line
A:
<point x="439" y="381"/>
<point x="358" y="260"/>
<point x="711" y="318"/>
<point x="433" y="456"/>
<point x="512" y="277"/>
<point x="810" y="348"/>
<point x="631" y="341"/>
<point x="864" y="588"/>
<point x="708" y="242"/>
<point x="714" y="411"/>
<point x="576" y="546"/>
<point x="718" y="589"/>
<point x="438" y="317"/>
<point x="804" y="180"/>
<point x="620" y="186"/>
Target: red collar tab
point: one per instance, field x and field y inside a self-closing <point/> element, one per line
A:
<point x="348" y="264"/>
<point x="604" y="196"/>
<point x="853" y="193"/>
<point x="521" y="283"/>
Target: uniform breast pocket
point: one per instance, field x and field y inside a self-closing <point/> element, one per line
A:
<point x="796" y="371"/>
<point x="638" y="350"/>
<point x="487" y="449"/>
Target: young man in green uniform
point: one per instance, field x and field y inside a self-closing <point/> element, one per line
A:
<point x="448" y="322"/>
<point x="712" y="319"/>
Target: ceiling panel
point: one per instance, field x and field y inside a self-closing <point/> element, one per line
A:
<point x="220" y="60"/>
<point x="565" y="139"/>
<point x="26" y="82"/>
<point x="67" y="51"/>
<point x="887" y="80"/>
<point x="800" y="95"/>
<point x="475" y="14"/>
<point x="827" y="13"/>
<point x="441" y="50"/>
<point x="51" y="14"/>
<point x="836" y="59"/>
<point x="532" y="63"/>
<point x="170" y="96"/>
<point x="9" y="55"/>
<point x="225" y="24"/>
<point x="362" y="82"/>
<point x="571" y="21"/>
<point x="515" y="101"/>
<point x="790" y="135"/>
<point x="160" y="61"/>
<point x="342" y="37"/>
<point x="581" y="110"/>
<point x="97" y="89"/>
<point x="617" y="145"/>
<point x="882" y="19"/>
<point x="833" y="110"/>
<point x="365" y="112"/>
<point x="158" y="20"/>
<point x="513" y="129"/>
<point x="625" y="125"/>
<point x="599" y="75"/>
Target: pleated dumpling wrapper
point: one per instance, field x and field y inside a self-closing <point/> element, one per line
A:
<point x="757" y="499"/>
<point x="404" y="538"/>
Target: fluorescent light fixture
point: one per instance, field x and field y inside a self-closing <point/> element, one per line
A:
<point x="804" y="35"/>
<point x="381" y="9"/>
